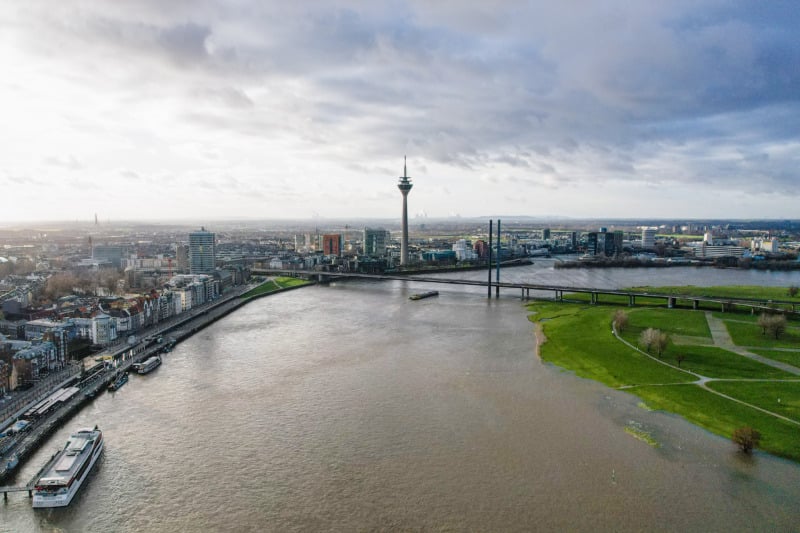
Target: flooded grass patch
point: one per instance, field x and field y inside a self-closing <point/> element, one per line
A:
<point x="635" y="430"/>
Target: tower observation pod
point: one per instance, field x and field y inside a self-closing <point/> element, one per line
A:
<point x="405" y="186"/>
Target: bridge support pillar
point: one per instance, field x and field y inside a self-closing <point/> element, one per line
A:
<point x="695" y="304"/>
<point x="594" y="298"/>
<point x="671" y="302"/>
<point x="631" y="300"/>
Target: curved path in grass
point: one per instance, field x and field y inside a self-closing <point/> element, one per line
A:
<point x="702" y="381"/>
<point x="722" y="339"/>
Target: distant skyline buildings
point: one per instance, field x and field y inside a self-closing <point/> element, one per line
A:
<point x="202" y="252"/>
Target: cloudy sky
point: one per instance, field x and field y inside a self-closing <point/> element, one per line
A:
<point x="157" y="109"/>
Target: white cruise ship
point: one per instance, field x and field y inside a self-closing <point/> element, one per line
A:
<point x="66" y="472"/>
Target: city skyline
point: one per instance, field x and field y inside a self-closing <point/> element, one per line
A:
<point x="213" y="111"/>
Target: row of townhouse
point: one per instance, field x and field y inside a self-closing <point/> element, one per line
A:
<point x="38" y="346"/>
<point x="23" y="362"/>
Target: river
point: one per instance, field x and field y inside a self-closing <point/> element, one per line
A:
<point x="349" y="407"/>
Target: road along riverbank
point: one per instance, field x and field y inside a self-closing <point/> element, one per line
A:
<point x="97" y="375"/>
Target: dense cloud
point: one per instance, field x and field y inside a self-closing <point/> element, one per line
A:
<point x="283" y="109"/>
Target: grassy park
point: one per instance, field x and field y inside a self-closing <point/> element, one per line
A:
<point x="273" y="285"/>
<point x="732" y="291"/>
<point x="706" y="378"/>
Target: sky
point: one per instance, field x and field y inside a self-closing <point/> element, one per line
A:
<point x="154" y="110"/>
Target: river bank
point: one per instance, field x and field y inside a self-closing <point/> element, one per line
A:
<point x="348" y="407"/>
<point x="100" y="374"/>
<point x="747" y="264"/>
<point x="684" y="379"/>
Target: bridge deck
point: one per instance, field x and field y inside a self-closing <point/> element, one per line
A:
<point x="749" y="302"/>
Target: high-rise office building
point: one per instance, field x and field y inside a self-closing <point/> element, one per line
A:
<point x="182" y="258"/>
<point x="332" y="244"/>
<point x="592" y="245"/>
<point x="202" y="252"/>
<point x="375" y="241"/>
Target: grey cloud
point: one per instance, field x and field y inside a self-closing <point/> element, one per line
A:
<point x="15" y="179"/>
<point x="68" y="162"/>
<point x="228" y="97"/>
<point x="185" y="43"/>
<point x="129" y="174"/>
<point x="639" y="91"/>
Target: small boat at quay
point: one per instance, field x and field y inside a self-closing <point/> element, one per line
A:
<point x="120" y="380"/>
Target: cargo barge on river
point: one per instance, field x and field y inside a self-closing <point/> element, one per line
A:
<point x="422" y="295"/>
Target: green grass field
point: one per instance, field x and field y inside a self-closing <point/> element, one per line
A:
<point x="745" y="333"/>
<point x="674" y="322"/>
<point x="582" y="342"/>
<point x="579" y="338"/>
<point x="714" y="362"/>
<point x="733" y="291"/>
<point x="792" y="358"/>
<point x="722" y="416"/>
<point x="781" y="398"/>
<point x="274" y="285"/>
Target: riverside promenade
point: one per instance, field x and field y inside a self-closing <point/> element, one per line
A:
<point x="93" y="377"/>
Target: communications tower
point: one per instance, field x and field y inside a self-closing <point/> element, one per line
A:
<point x="405" y="186"/>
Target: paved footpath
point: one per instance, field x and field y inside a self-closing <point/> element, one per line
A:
<point x="723" y="339"/>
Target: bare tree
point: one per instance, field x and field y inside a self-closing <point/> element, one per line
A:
<point x="763" y="322"/>
<point x="108" y="279"/>
<point x="620" y="320"/>
<point x="661" y="342"/>
<point x="793" y="290"/>
<point x="647" y="338"/>
<point x="746" y="438"/>
<point x="654" y="339"/>
<point x="778" y="325"/>
<point x="772" y="324"/>
<point x="59" y="285"/>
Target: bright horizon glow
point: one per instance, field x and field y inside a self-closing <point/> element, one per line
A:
<point x="143" y="110"/>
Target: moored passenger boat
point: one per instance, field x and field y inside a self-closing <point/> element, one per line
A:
<point x="63" y="476"/>
<point x="149" y="365"/>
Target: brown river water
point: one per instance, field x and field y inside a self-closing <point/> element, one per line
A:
<point x="349" y="407"/>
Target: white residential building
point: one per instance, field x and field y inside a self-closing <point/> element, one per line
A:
<point x="648" y="238"/>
